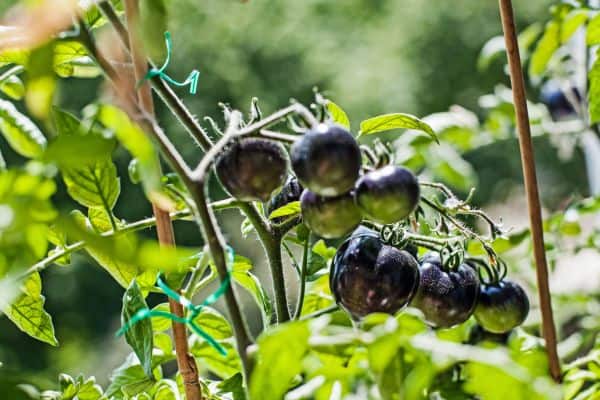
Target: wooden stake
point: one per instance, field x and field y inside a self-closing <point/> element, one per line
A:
<point x="531" y="186"/>
<point x="164" y="226"/>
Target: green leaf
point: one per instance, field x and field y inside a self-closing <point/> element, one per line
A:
<point x="94" y="185"/>
<point x="242" y="276"/>
<point x="572" y="21"/>
<point x="279" y="359"/>
<point x="28" y="314"/>
<point x="545" y="49"/>
<point x="289" y="209"/>
<point x="129" y="377"/>
<point x="11" y="85"/>
<point x="220" y="365"/>
<point x="593" y="31"/>
<point x="594" y="92"/>
<point x="133" y="138"/>
<point x="71" y="59"/>
<point x="388" y="122"/>
<point x="66" y="123"/>
<point x="234" y="385"/>
<point x="338" y="115"/>
<point x="153" y="25"/>
<point x="166" y="389"/>
<point x="20" y="132"/>
<point x="101" y="220"/>
<point x="41" y="81"/>
<point x="139" y="336"/>
<point x="161" y="324"/>
<point x="214" y="323"/>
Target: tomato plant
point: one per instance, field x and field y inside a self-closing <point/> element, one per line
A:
<point x="401" y="294"/>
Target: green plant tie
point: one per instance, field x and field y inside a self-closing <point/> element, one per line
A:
<point x="195" y="310"/>
<point x="192" y="79"/>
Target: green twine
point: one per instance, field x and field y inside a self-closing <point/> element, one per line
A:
<point x="145" y="313"/>
<point x="191" y="80"/>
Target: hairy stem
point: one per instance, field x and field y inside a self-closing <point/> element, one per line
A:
<point x="272" y="245"/>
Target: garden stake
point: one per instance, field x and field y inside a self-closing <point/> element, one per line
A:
<point x="164" y="227"/>
<point x="531" y="187"/>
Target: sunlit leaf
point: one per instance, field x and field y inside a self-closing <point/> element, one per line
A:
<point x="289" y="209"/>
<point x="338" y="115"/>
<point x="388" y="122"/>
<point x="279" y="359"/>
<point x="94" y="185"/>
<point x="545" y="49"/>
<point x="28" y="314"/>
<point x="20" y="132"/>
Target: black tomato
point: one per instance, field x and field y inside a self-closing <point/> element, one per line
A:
<point x="478" y="335"/>
<point x="369" y="276"/>
<point x="329" y="217"/>
<point x="388" y="194"/>
<point x="501" y="307"/>
<point x="327" y="160"/>
<point x="252" y="169"/>
<point x="290" y="192"/>
<point x="446" y="297"/>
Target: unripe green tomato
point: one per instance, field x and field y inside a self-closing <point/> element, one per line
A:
<point x="329" y="217"/>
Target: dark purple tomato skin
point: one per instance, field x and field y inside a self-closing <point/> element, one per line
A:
<point x="329" y="217"/>
<point x="252" y="169"/>
<point x="369" y="276"/>
<point x="502" y="306"/>
<point x="327" y="160"/>
<point x="446" y="298"/>
<point x="290" y="192"/>
<point x="388" y="194"/>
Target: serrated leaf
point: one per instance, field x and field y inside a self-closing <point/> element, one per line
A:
<point x="289" y="209"/>
<point x="28" y="314"/>
<point x="218" y="364"/>
<point x="545" y="49"/>
<point x="94" y="185"/>
<point x="338" y="115"/>
<point x="129" y="377"/>
<point x="139" y="336"/>
<point x="65" y="123"/>
<point x="388" y="122"/>
<point x="20" y="132"/>
<point x="214" y="323"/>
<point x="100" y="219"/>
<point x="279" y="360"/>
<point x="242" y="276"/>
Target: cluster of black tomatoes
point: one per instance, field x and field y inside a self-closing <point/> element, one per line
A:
<point x="367" y="274"/>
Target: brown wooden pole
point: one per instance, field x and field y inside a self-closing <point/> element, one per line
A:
<point x="164" y="226"/>
<point x="531" y="186"/>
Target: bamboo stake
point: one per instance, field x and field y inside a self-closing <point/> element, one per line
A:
<point x="531" y="186"/>
<point x="164" y="226"/>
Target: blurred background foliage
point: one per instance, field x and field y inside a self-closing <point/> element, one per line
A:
<point x="369" y="56"/>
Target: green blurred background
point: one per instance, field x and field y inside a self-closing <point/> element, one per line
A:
<point x="369" y="56"/>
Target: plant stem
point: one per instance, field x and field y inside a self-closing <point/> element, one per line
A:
<point x="327" y="310"/>
<point x="531" y="186"/>
<point x="164" y="91"/>
<point x="216" y="242"/>
<point x="164" y="227"/>
<point x="303" y="272"/>
<point x="272" y="244"/>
